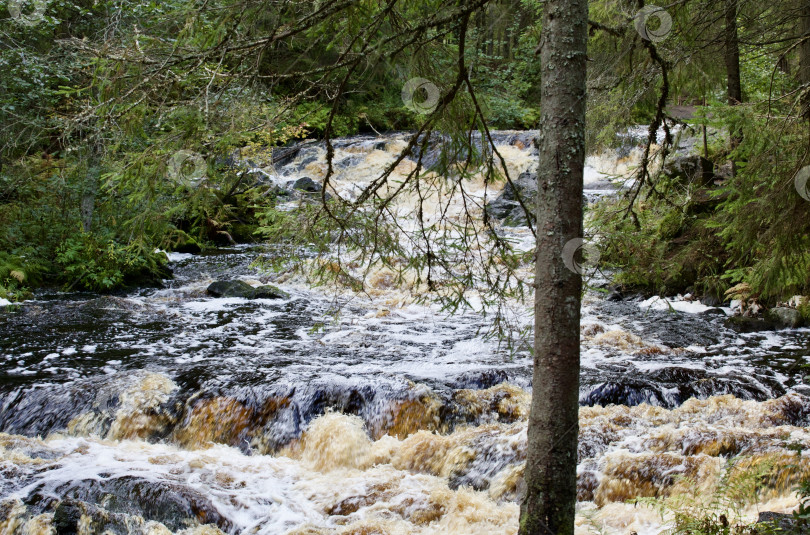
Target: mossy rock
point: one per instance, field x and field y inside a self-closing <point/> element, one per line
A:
<point x="269" y="291"/>
<point x="671" y="225"/>
<point x="187" y="245"/>
<point x="243" y="233"/>
<point x="692" y="169"/>
<point x="785" y="318"/>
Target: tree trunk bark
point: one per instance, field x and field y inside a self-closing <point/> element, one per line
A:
<point x="732" y="54"/>
<point x="804" y="57"/>
<point x="734" y="84"/>
<point x="549" y="504"/>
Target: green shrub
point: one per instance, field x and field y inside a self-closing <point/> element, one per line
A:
<point x="754" y="228"/>
<point x="92" y="262"/>
<point x="16" y="276"/>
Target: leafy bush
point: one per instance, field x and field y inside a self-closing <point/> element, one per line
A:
<point x="15" y="277"/>
<point x="752" y="229"/>
<point x="93" y="262"/>
<point x="669" y="251"/>
<point x="802" y="513"/>
<point x="722" y="512"/>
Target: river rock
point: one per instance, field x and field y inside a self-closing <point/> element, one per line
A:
<point x="108" y="305"/>
<point x="234" y="288"/>
<point x="67" y="516"/>
<point x="304" y="189"/>
<point x="188" y="246"/>
<point x="714" y="311"/>
<point x="712" y="299"/>
<point x="269" y="291"/>
<point x="237" y="288"/>
<point x="692" y="169"/>
<point x="786" y="523"/>
<point x="480" y="379"/>
<point x="128" y="502"/>
<point x="506" y="207"/>
<point x="306" y="184"/>
<point x="305" y="161"/>
<point x="526" y="185"/>
<point x="500" y="208"/>
<point x="284" y="155"/>
<point x="747" y="324"/>
<point x="785" y="318"/>
<point x="350" y="162"/>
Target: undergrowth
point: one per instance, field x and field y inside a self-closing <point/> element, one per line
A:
<point x="751" y="228"/>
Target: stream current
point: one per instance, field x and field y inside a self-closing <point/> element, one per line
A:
<point x="167" y="410"/>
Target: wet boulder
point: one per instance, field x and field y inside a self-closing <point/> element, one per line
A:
<point x="188" y="246"/>
<point x="306" y="160"/>
<point x="748" y="324"/>
<point x="105" y="307"/>
<point x="238" y="288"/>
<point x="67" y="517"/>
<point x="507" y="208"/>
<point x="714" y="311"/>
<point x="268" y="291"/>
<point x="350" y="162"/>
<point x="625" y="392"/>
<point x="306" y="184"/>
<point x="479" y="379"/>
<point x="525" y="185"/>
<point x="305" y="188"/>
<point x="129" y="501"/>
<point x="785" y="318"/>
<point x="235" y="288"/>
<point x="285" y="155"/>
<point x="501" y="208"/>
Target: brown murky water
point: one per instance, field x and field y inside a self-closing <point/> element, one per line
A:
<point x="170" y="411"/>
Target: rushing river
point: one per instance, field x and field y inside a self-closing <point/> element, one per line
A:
<point x="167" y="409"/>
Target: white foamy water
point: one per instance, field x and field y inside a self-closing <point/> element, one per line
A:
<point x="336" y="412"/>
<point x="678" y="304"/>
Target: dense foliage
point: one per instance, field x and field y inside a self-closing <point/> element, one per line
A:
<point x="124" y="124"/>
<point x="745" y="226"/>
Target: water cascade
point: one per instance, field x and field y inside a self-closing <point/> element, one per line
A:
<point x="167" y="410"/>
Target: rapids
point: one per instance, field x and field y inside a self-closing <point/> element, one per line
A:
<point x="166" y="410"/>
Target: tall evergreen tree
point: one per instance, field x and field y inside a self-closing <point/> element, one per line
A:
<point x="549" y="505"/>
<point x="804" y="55"/>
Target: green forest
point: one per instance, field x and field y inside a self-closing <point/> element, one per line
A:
<point x="543" y="267"/>
<point x="97" y="98"/>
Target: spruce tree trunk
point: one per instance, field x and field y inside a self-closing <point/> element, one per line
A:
<point x="732" y="54"/>
<point x="549" y="504"/>
<point x="804" y="55"/>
